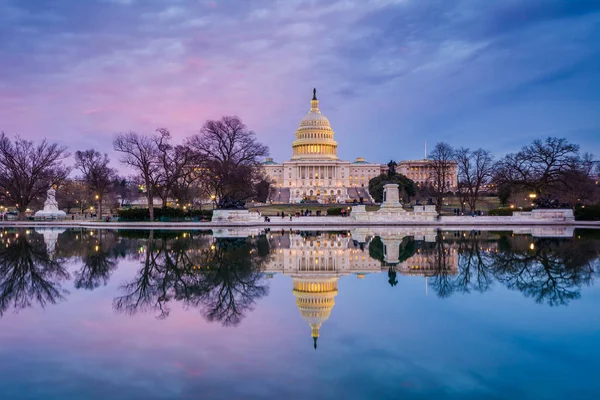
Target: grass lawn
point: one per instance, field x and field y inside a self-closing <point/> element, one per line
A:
<point x="484" y="204"/>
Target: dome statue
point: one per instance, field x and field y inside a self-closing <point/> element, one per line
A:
<point x="314" y="136"/>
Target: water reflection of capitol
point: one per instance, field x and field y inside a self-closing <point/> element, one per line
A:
<point x="316" y="262"/>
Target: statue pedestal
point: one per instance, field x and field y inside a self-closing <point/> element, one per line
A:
<point x="50" y="214"/>
<point x="235" y="216"/>
<point x="391" y="201"/>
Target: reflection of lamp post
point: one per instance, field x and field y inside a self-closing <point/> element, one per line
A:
<point x="213" y="198"/>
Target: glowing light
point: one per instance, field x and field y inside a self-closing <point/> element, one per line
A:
<point x="532" y="246"/>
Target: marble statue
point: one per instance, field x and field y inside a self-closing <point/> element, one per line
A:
<point x="50" y="210"/>
<point x="51" y="203"/>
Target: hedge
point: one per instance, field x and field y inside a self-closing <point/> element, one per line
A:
<point x="142" y="214"/>
<point x="588" y="213"/>
<point x="334" y="211"/>
<point x="501" y="212"/>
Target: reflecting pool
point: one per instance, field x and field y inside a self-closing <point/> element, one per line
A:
<point x="253" y="314"/>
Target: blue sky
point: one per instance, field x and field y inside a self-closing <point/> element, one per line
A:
<point x="390" y="74"/>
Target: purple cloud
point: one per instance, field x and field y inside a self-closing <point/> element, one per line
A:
<point x="395" y="72"/>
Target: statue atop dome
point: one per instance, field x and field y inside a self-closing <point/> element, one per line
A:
<point x="314" y="93"/>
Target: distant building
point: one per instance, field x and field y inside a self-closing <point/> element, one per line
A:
<point x="420" y="171"/>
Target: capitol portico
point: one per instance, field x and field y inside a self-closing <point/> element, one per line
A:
<point x="315" y="172"/>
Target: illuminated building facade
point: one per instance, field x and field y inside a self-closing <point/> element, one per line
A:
<point x="315" y="172"/>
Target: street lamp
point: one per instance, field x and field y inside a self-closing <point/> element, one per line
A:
<point x="532" y="195"/>
<point x="213" y="199"/>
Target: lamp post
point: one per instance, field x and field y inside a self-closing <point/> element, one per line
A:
<point x="532" y="197"/>
<point x="213" y="198"/>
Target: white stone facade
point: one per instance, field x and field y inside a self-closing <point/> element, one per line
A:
<point x="419" y="171"/>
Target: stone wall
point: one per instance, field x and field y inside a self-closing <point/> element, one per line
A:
<point x="235" y="216"/>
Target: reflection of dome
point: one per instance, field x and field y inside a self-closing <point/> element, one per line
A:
<point x="314" y="136"/>
<point x="315" y="299"/>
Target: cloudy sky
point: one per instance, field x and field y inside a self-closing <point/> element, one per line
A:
<point x="390" y="74"/>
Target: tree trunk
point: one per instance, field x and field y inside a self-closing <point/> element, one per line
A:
<point x="99" y="207"/>
<point x="21" y="216"/>
<point x="150" y="205"/>
<point x="438" y="205"/>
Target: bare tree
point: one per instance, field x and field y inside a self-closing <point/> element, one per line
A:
<point x="441" y="161"/>
<point x="539" y="166"/>
<point x="27" y="170"/>
<point x="73" y="194"/>
<point x="126" y="190"/>
<point x="475" y="169"/>
<point x="140" y="153"/>
<point x="176" y="166"/>
<point x="96" y="174"/>
<point x="229" y="155"/>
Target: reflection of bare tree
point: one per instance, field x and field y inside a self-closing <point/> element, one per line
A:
<point x="148" y="291"/>
<point x="98" y="251"/>
<point x="550" y="271"/>
<point x="230" y="282"/>
<point x="27" y="273"/>
<point x="223" y="279"/>
<point x="440" y="265"/>
<point x="473" y="264"/>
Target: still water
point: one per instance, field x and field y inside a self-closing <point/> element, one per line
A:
<point x="359" y="314"/>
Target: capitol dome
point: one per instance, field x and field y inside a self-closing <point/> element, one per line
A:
<point x="314" y="136"/>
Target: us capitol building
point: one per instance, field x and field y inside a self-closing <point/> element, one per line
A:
<point x="316" y="173"/>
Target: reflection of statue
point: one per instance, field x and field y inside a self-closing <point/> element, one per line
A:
<point x="50" y="237"/>
<point x="391" y="168"/>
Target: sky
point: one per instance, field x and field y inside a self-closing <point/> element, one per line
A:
<point x="390" y="74"/>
